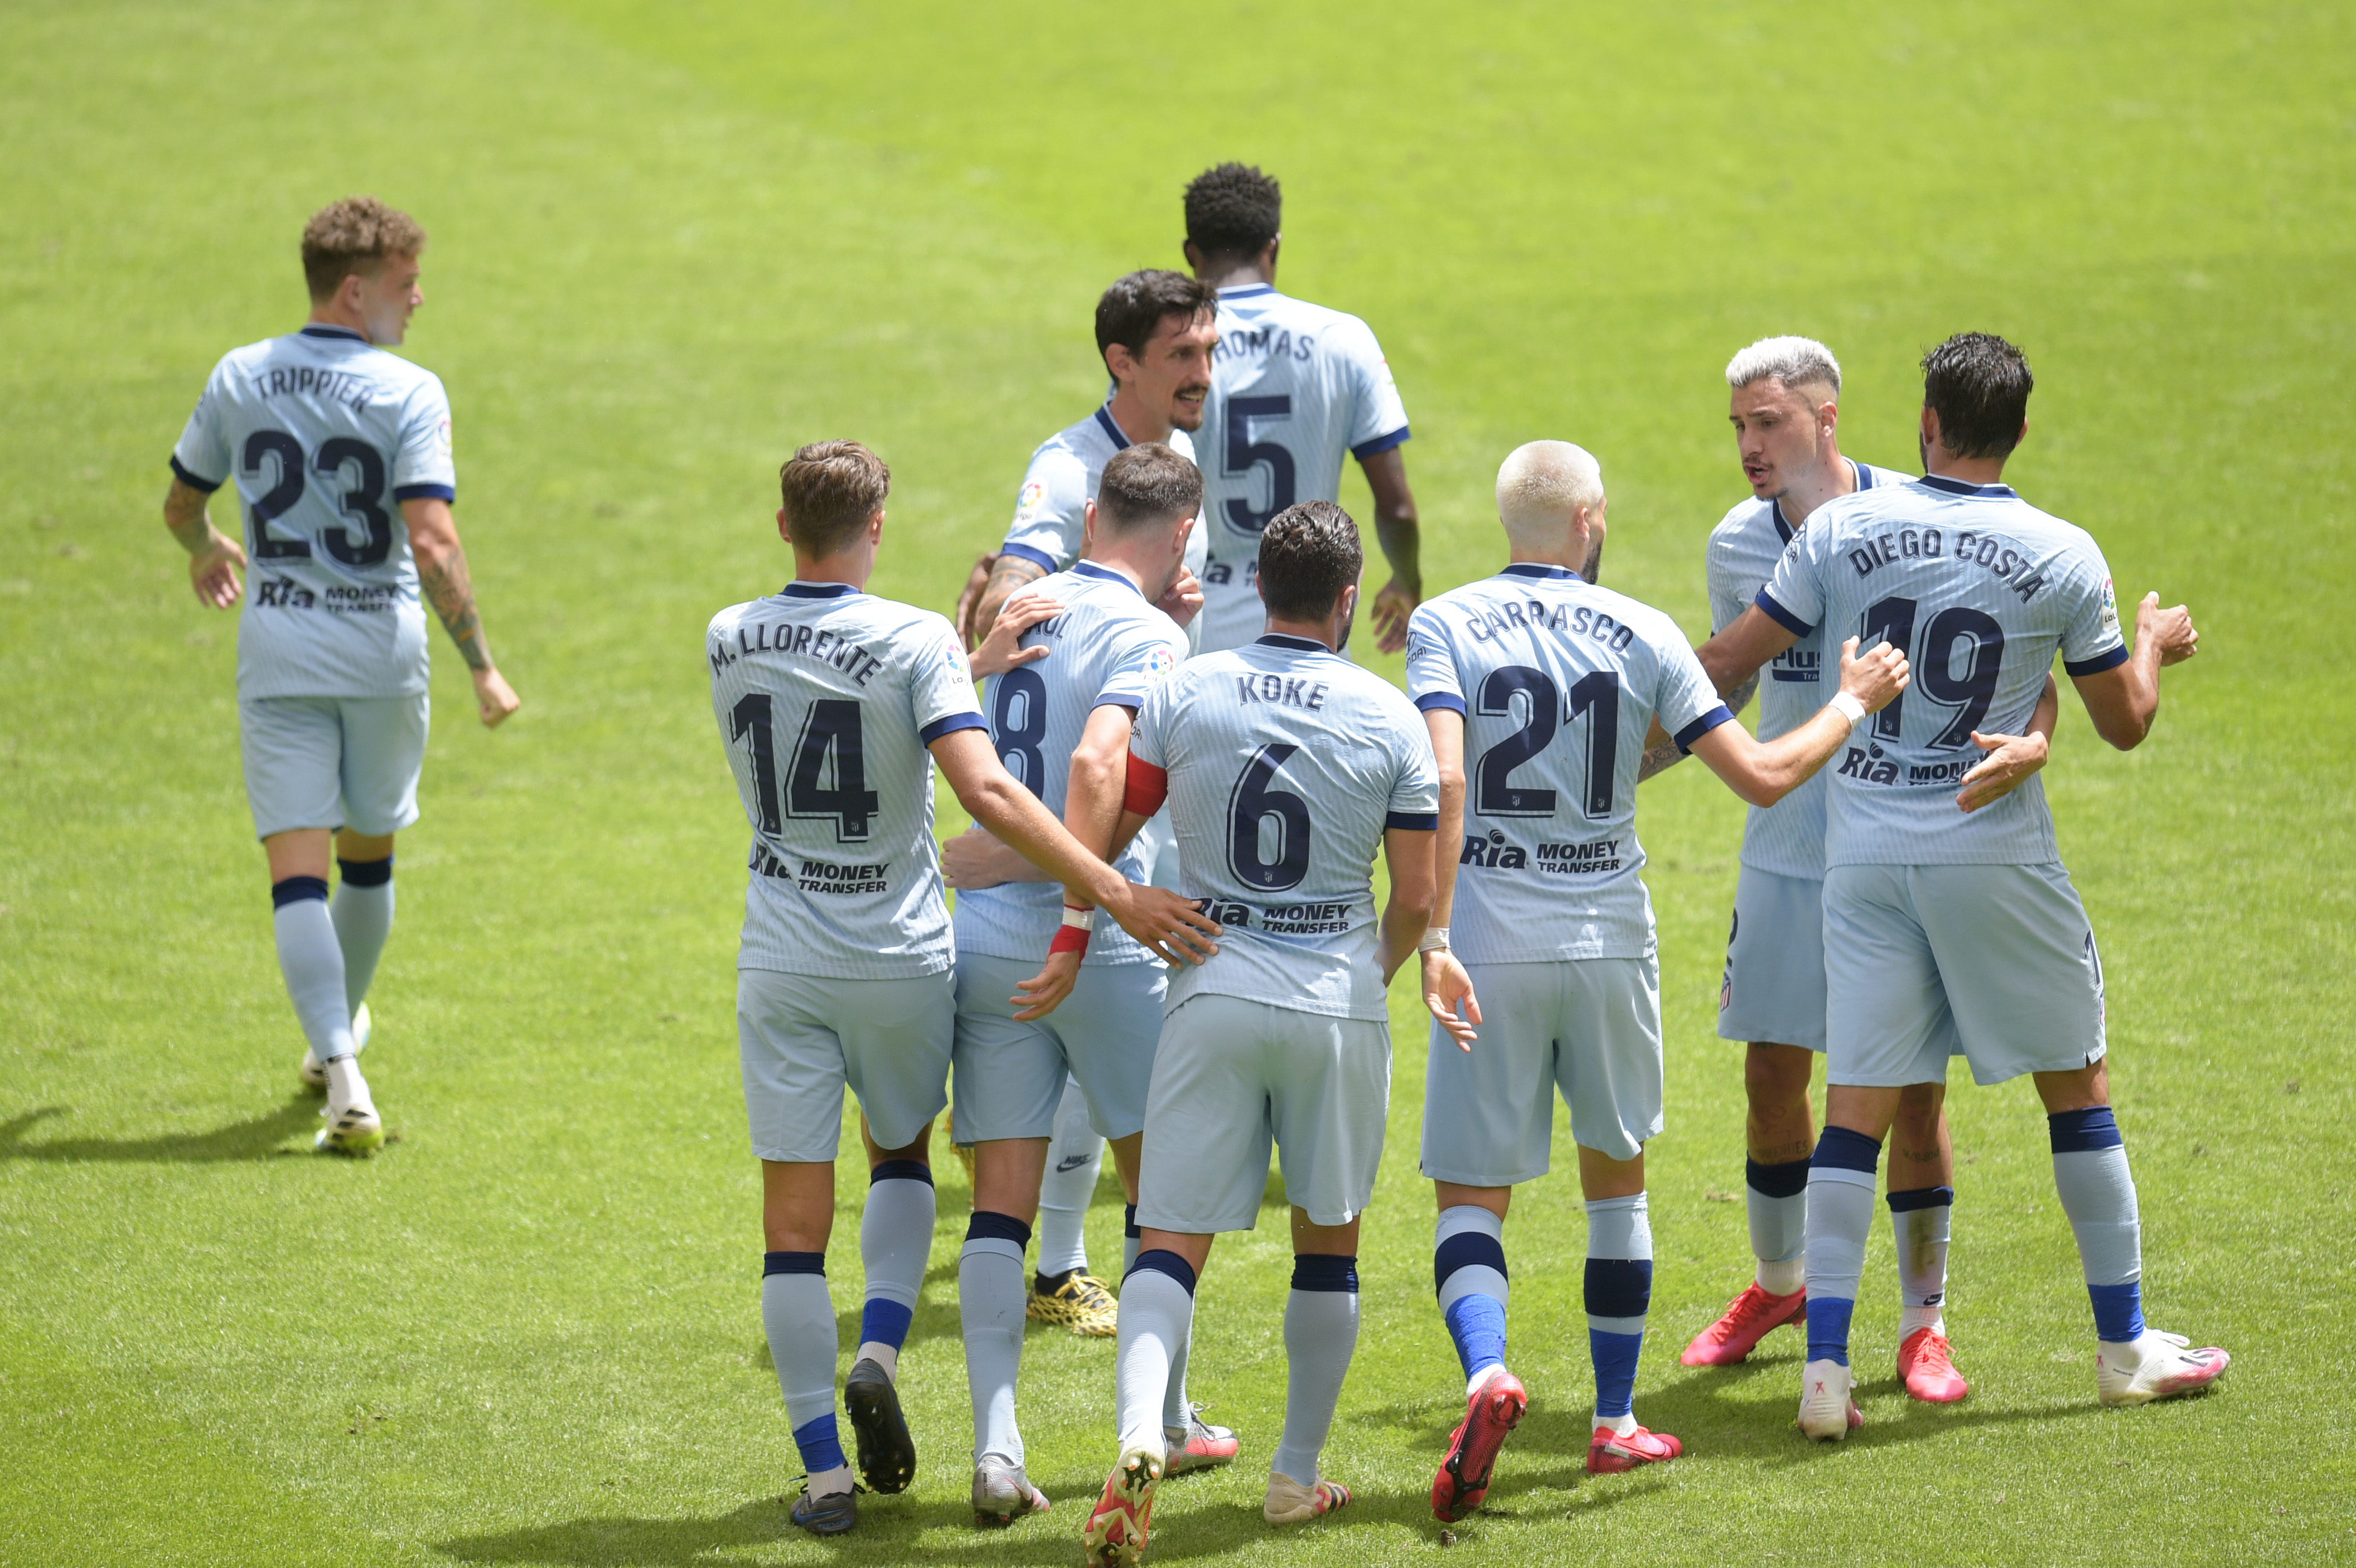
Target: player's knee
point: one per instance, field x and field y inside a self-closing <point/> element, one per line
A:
<point x="1776" y="1079"/>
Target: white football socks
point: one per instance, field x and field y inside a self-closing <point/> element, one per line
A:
<point x="1157" y="1313"/>
<point x="990" y="1301"/>
<point x="1075" y="1159"/>
<point x="362" y="911"/>
<point x="1321" y="1333"/>
<point x="313" y="962"/>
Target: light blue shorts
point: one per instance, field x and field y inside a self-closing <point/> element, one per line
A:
<point x="2000" y="956"/>
<point x="1774" y="986"/>
<point x="332" y="762"/>
<point x="803" y="1039"/>
<point x="1232" y="1078"/>
<point x="1011" y="1076"/>
<point x="1587" y="1028"/>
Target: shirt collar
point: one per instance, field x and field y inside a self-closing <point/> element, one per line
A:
<point x="1105" y="574"/>
<point x="1536" y="569"/>
<point x="323" y="329"/>
<point x="1121" y="442"/>
<point x="1247" y="291"/>
<point x="819" y="590"/>
<point x="1962" y="488"/>
<point x="1297" y="644"/>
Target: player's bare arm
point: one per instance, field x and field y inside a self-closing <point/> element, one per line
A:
<point x="1661" y="752"/>
<point x="1092" y="815"/>
<point x="1007" y="575"/>
<point x="1447" y="989"/>
<point x="2012" y="758"/>
<point x="442" y="576"/>
<point x="969" y="597"/>
<point x="1401" y="538"/>
<point x="213" y="556"/>
<point x="2123" y="700"/>
<point x="1407" y="914"/>
<point x="1170" y="926"/>
<point x="1749" y="644"/>
<point x="1764" y="773"/>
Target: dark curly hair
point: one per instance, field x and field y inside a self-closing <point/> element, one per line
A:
<point x="1978" y="385"/>
<point x="1233" y="211"/>
<point x="1309" y="554"/>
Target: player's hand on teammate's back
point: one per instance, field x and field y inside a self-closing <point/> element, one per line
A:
<point x="1184" y="602"/>
<point x="1389" y="615"/>
<point x="1874" y="678"/>
<point x="2178" y="639"/>
<point x="1447" y="992"/>
<point x="976" y="859"/>
<point x="495" y="697"/>
<point x="212" y="571"/>
<point x="1170" y="926"/>
<point x="1044" y="991"/>
<point x="969" y="598"/>
<point x="1001" y="650"/>
<point x="2010" y="758"/>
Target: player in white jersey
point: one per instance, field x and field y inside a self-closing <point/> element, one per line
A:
<point x="1286" y="769"/>
<point x="1786" y="409"/>
<point x="1295" y="388"/>
<point x="341" y="455"/>
<point x="834" y="706"/>
<point x="1940" y="924"/>
<point x="1538" y="688"/>
<point x="1110" y="648"/>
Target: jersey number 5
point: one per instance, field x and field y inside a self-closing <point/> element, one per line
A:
<point x="1244" y="454"/>
<point x="831" y="742"/>
<point x="1255" y="807"/>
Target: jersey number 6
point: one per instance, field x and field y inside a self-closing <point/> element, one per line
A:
<point x="1250" y="808"/>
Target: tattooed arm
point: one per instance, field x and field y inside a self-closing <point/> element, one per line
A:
<point x="442" y="576"/>
<point x="213" y="556"/>
<point x="1008" y="573"/>
<point x="1661" y="753"/>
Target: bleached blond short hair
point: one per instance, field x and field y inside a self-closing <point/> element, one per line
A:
<point x="1795" y="362"/>
<point x="1542" y="485"/>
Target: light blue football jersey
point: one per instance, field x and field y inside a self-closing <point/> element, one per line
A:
<point x="1287" y="763"/>
<point x="326" y="436"/>
<point x="1294" y="389"/>
<point x="1558" y="681"/>
<point x="1051" y="513"/>
<point x="1788" y="837"/>
<point x="826" y="698"/>
<point x="1980" y="589"/>
<point x="1109" y="646"/>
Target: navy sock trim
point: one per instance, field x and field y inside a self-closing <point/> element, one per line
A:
<point x="1325" y="1270"/>
<point x="1840" y="1149"/>
<point x="365" y="873"/>
<point x="1465" y="1249"/>
<point x="1128" y="1220"/>
<point x="793" y="1263"/>
<point x="1922" y="1198"/>
<point x="2084" y="1132"/>
<point x="1161" y="1261"/>
<point x="1787" y="1179"/>
<point x="1619" y="1287"/>
<point x="901" y="1170"/>
<point x="988" y="1224"/>
<point x="294" y="889"/>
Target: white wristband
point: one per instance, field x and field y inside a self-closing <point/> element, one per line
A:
<point x="1435" y="940"/>
<point x="1848" y="707"/>
<point x="1079" y="920"/>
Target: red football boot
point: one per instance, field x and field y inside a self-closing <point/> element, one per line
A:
<point x="1609" y="1454"/>
<point x="1927" y="1368"/>
<point x="1493" y="1409"/>
<point x="1745" y="1321"/>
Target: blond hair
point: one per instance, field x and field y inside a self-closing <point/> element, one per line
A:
<point x="1542" y="485"/>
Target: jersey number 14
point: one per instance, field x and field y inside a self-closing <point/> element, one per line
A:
<point x="832" y="747"/>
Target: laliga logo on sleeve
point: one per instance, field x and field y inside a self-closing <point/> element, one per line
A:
<point x="443" y="435"/>
<point x="1034" y="495"/>
<point x="1159" y="663"/>
<point x="2110" y="607"/>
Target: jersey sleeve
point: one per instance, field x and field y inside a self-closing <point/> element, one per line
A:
<point x="1431" y="678"/>
<point x="1729" y="595"/>
<point x="1146" y="740"/>
<point x="1142" y="659"/>
<point x="2091" y="640"/>
<point x="1051" y="512"/>
<point x="940" y="686"/>
<point x="1684" y="700"/>
<point x="1378" y="423"/>
<point x="1795" y="596"/>
<point x="1414" y="783"/>
<point x="422" y="469"/>
<point x="201" y="460"/>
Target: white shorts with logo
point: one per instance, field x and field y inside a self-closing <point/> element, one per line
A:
<point x="1999" y="957"/>
<point x="1011" y="1076"/>
<point x="1587" y="1028"/>
<point x="332" y="762"/>
<point x="803" y="1039"/>
<point x="1231" y="1078"/>
<point x="1773" y="990"/>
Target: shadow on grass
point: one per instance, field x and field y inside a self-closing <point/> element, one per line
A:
<point x="258" y="1138"/>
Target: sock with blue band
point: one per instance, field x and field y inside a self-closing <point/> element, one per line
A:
<point x="313" y="962"/>
<point x="895" y="1238"/>
<point x="1157" y="1314"/>
<point x="799" y="1317"/>
<point x="2098" y="1193"/>
<point x="1468" y="1271"/>
<point x="1841" y="1181"/>
<point x="1075" y="1158"/>
<point x="990" y="1310"/>
<point x="1777" y="1198"/>
<point x="1619" y="1298"/>
<point x="1320" y="1334"/>
<point x="1921" y="1219"/>
<point x="362" y="911"/>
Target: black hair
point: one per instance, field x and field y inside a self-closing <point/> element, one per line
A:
<point x="1146" y="483"/>
<point x="1308" y="555"/>
<point x="1233" y="211"/>
<point x="1978" y="385"/>
<point x="1133" y="307"/>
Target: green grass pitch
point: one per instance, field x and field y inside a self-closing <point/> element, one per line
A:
<point x="669" y="243"/>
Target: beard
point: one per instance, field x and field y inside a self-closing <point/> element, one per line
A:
<point x="1594" y="570"/>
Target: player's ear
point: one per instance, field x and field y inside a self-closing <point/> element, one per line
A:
<point x="1186" y="530"/>
<point x="784" y="529"/>
<point x="875" y="527"/>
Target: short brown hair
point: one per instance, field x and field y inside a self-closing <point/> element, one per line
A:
<point x="357" y="234"/>
<point x="830" y="490"/>
<point x="1146" y="483"/>
<point x="1134" y="307"/>
<point x="1309" y="554"/>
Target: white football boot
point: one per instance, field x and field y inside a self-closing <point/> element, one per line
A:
<point x="315" y="1077"/>
<point x="1827" y="1412"/>
<point x="2154" y="1366"/>
<point x="353" y="1126"/>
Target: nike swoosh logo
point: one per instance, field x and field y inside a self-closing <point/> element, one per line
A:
<point x="1074" y="1163"/>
